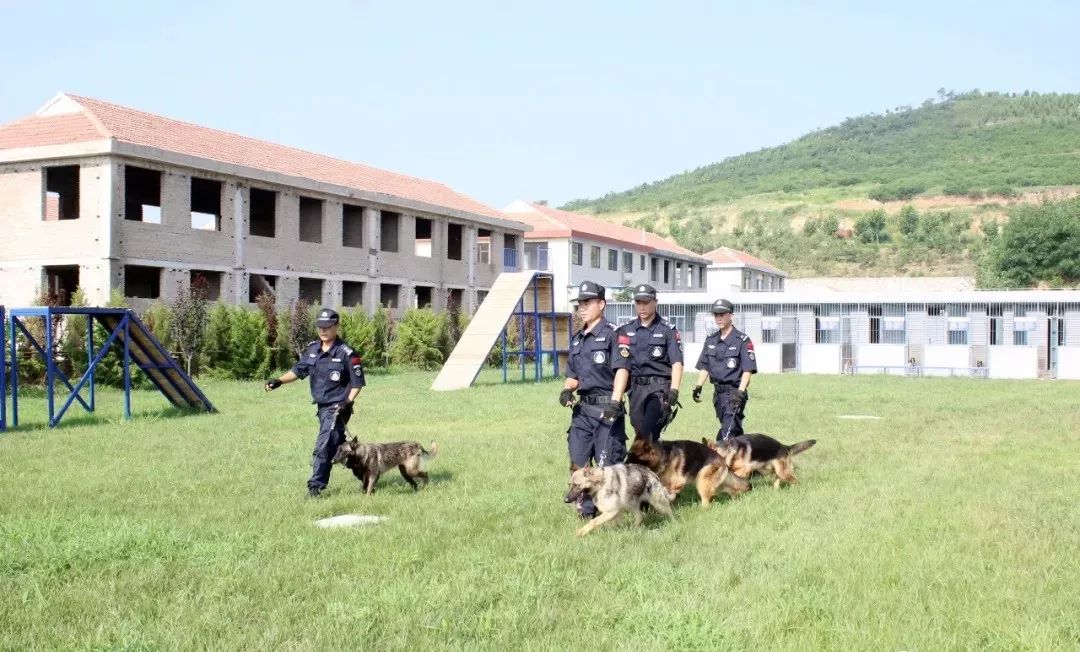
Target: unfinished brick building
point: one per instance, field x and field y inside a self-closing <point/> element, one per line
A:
<point x="102" y="196"/>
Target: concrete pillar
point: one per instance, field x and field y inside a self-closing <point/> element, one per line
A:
<point x="373" y="239"/>
<point x="234" y="213"/>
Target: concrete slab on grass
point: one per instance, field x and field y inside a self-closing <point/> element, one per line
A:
<point x="348" y="520"/>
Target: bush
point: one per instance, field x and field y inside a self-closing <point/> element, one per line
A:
<point x="909" y="220"/>
<point x="73" y="341"/>
<point x="215" y="351"/>
<point x="1039" y="244"/>
<point x="248" y="356"/>
<point x="897" y="192"/>
<point x="418" y="338"/>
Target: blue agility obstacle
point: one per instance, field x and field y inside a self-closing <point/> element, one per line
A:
<point x="125" y="329"/>
<point x="3" y="370"/>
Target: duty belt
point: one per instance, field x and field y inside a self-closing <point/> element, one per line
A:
<point x="649" y="380"/>
<point x="596" y="399"/>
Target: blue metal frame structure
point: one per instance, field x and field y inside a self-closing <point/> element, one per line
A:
<point x="119" y="322"/>
<point x="3" y="369"/>
<point x="537" y="318"/>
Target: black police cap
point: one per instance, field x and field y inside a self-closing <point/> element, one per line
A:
<point x="720" y="306"/>
<point x="590" y="290"/>
<point x="326" y="318"/>
<point x="644" y="293"/>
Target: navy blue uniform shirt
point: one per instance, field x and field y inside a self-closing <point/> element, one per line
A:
<point x="726" y="359"/>
<point x="332" y="372"/>
<point x="651" y="349"/>
<point x="594" y="358"/>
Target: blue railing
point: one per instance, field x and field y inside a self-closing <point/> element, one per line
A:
<point x="510" y="260"/>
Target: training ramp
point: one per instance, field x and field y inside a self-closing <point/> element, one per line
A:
<point x="532" y="291"/>
<point x="124" y="330"/>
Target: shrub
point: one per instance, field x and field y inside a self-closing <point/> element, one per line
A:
<point x="418" y="338"/>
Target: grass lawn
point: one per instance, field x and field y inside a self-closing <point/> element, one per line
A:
<point x="953" y="522"/>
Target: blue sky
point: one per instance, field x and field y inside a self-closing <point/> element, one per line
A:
<point x="542" y="100"/>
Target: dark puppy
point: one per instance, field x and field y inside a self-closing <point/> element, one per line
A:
<point x="369" y="461"/>
<point x="678" y="462"/>
<point x="758" y="453"/>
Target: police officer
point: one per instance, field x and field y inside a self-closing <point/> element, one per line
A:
<point x="727" y="359"/>
<point x="599" y="375"/>
<point x="337" y="375"/>
<point x="656" y="364"/>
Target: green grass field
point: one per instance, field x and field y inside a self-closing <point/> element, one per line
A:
<point x="951" y="523"/>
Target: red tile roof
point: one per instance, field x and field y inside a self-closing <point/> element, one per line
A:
<point x="734" y="257"/>
<point x="97" y="120"/>
<point x="548" y="222"/>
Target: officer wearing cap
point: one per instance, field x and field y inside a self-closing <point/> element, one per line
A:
<point x="337" y="375"/>
<point x="655" y="352"/>
<point x="727" y="359"/>
<point x="599" y="375"/>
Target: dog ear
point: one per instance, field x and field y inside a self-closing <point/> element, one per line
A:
<point x="705" y="440"/>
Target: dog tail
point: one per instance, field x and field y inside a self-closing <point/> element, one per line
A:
<point x="431" y="452"/>
<point x="795" y="449"/>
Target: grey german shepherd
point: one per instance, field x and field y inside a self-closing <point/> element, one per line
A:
<point x="618" y="488"/>
<point x="369" y="461"/>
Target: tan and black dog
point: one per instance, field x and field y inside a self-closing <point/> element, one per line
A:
<point x="616" y="489"/>
<point x="758" y="453"/>
<point x="677" y="463"/>
<point x="369" y="461"/>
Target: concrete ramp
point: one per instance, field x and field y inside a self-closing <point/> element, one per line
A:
<point x="467" y="358"/>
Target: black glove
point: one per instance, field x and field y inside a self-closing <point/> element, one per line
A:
<point x="613" y="411"/>
<point x="697" y="394"/>
<point x="671" y="396"/>
<point x="345" y="409"/>
<point x="566" y="397"/>
<point x="272" y="384"/>
<point x="738" y="400"/>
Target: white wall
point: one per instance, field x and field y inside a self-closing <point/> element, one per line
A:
<point x="819" y="359"/>
<point x="691" y="353"/>
<point x="1068" y="362"/>
<point x="723" y="281"/>
<point x="617" y="278"/>
<point x="769" y="360"/>
<point x="1013" y="361"/>
<point x="881" y="355"/>
<point x="559" y="264"/>
<point x="945" y="355"/>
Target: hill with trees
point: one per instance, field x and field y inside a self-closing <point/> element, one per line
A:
<point x="916" y="190"/>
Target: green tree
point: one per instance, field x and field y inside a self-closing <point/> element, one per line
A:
<point x="830" y="225"/>
<point x="909" y="220"/>
<point x="1039" y="244"/>
<point x="189" y="320"/>
<point x="871" y="227"/>
<point x="417" y="340"/>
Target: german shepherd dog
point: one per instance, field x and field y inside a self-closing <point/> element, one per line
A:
<point x="677" y="463"/>
<point x="758" y="453"/>
<point x="616" y="489"/>
<point x="369" y="461"/>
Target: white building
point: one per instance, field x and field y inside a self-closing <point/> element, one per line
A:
<point x="576" y="248"/>
<point x="734" y="270"/>
<point x="982" y="333"/>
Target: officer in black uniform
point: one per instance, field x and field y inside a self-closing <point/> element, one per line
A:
<point x="599" y="375"/>
<point x="656" y="364"/>
<point x="337" y="375"/>
<point x="727" y="359"/>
